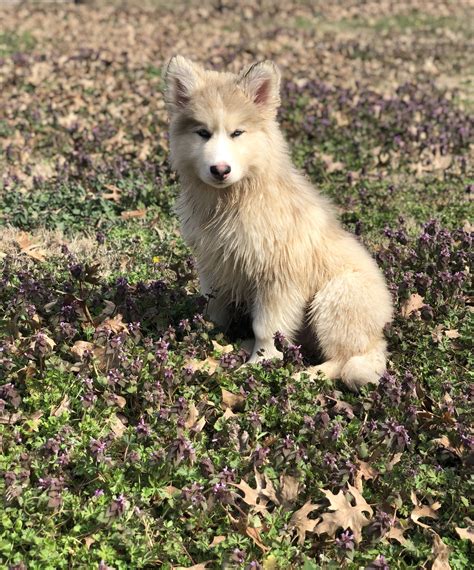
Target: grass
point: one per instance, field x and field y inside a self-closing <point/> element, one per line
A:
<point x="130" y="435"/>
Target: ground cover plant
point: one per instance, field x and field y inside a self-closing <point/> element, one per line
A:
<point x="130" y="437"/>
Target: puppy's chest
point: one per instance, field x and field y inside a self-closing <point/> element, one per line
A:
<point x="234" y="246"/>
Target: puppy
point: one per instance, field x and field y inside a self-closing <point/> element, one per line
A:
<point x="262" y="236"/>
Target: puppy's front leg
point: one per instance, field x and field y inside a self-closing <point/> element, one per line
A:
<point x="274" y="311"/>
<point x="217" y="306"/>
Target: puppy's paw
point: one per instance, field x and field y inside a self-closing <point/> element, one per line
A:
<point x="262" y="354"/>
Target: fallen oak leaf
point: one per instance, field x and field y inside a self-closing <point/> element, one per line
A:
<point x="217" y="540"/>
<point x="10" y="419"/>
<point x="220" y="349"/>
<point x="133" y="214"/>
<point x="116" y="424"/>
<point x="200" y="566"/>
<point x="62" y="407"/>
<point x="414" y="303"/>
<point x="107" y="311"/>
<point x="443" y="442"/>
<point x="228" y="414"/>
<point x="465" y="533"/>
<point x="302" y="523"/>
<point x="437" y="333"/>
<point x="192" y="416"/>
<point x="81" y="347"/>
<point x="441" y="554"/>
<point x="119" y="400"/>
<point x="252" y="497"/>
<point x="171" y="491"/>
<point x="396" y="533"/>
<point x="395" y="459"/>
<point x="114" y="194"/>
<point x="88" y="541"/>
<point x="209" y="365"/>
<point x="345" y="514"/>
<point x="289" y="489"/>
<point x="113" y="324"/>
<point x="453" y="333"/>
<point x="254" y="534"/>
<point x="421" y="511"/>
<point x="30" y="248"/>
<point x="192" y="421"/>
<point x="365" y="471"/>
<point x="236" y="402"/>
<point x="266" y="487"/>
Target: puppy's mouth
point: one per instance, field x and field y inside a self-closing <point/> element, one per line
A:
<point x="218" y="183"/>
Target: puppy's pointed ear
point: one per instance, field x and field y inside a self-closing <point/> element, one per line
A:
<point x="181" y="78"/>
<point x="261" y="83"/>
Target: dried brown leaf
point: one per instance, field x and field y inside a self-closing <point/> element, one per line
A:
<point x="265" y="487"/>
<point x="114" y="194"/>
<point x="210" y="365"/>
<point x="452" y="333"/>
<point x="288" y="491"/>
<point x="133" y="214"/>
<point x="364" y="471"/>
<point x="88" y="542"/>
<point x="171" y="490"/>
<point x="107" y="311"/>
<point x="421" y="511"/>
<point x="120" y="401"/>
<point x="236" y="402"/>
<point x="116" y="425"/>
<point x="443" y="441"/>
<point x="31" y="248"/>
<point x="228" y="414"/>
<point x="113" y="324"/>
<point x="345" y="514"/>
<point x="395" y="459"/>
<point x="62" y="407"/>
<point x="465" y="533"/>
<point x="192" y="416"/>
<point x="81" y="346"/>
<point x="254" y="534"/>
<point x="193" y="421"/>
<point x="396" y="533"/>
<point x="200" y="566"/>
<point x="414" y="303"/>
<point x="302" y="523"/>
<point x="10" y="419"/>
<point x="217" y="540"/>
<point x="437" y="333"/>
<point x="221" y="349"/>
<point x="252" y="497"/>
<point x="441" y="554"/>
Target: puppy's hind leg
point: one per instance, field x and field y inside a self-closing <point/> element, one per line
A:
<point x="348" y="315"/>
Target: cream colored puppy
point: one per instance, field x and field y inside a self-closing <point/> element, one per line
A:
<point x="261" y="234"/>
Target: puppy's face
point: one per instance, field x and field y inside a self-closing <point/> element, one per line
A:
<point x="219" y="120"/>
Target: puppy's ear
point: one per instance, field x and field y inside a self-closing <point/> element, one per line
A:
<point x="181" y="78"/>
<point x="261" y="83"/>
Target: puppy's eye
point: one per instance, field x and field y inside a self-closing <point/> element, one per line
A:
<point x="236" y="133"/>
<point x="204" y="134"/>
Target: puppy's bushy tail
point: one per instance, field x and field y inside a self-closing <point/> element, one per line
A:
<point x="365" y="368"/>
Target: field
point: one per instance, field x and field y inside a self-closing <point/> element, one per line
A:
<point x="130" y="436"/>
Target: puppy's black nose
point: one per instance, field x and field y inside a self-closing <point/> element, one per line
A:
<point x="220" y="171"/>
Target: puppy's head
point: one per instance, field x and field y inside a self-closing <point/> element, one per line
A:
<point x="220" y="122"/>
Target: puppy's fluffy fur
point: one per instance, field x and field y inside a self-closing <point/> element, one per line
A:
<point x="262" y="235"/>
